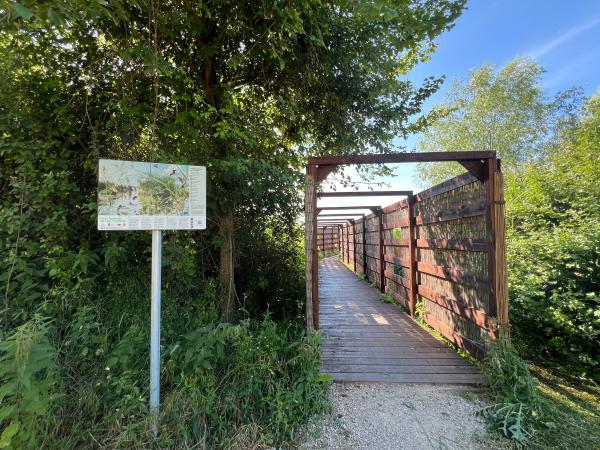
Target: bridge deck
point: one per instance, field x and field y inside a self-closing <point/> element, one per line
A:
<point x="365" y="339"/>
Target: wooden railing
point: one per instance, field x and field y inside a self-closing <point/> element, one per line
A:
<point x="433" y="249"/>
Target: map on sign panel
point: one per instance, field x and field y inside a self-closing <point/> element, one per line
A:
<point x="151" y="196"/>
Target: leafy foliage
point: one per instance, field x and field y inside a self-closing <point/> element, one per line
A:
<point x="503" y="110"/>
<point x="518" y="408"/>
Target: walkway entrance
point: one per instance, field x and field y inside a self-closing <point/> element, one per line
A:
<point x="440" y="252"/>
<point x="367" y="340"/>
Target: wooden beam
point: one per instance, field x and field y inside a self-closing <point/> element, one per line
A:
<point x="363" y="193"/>
<point x="324" y="170"/>
<point x="475" y="167"/>
<point x="412" y="256"/>
<point x="349" y="215"/>
<point x="333" y="208"/>
<point x="401" y="158"/>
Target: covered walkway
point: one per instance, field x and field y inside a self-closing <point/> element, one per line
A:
<point x="366" y="340"/>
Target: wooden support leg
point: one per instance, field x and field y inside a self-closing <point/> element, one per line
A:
<point x="381" y="254"/>
<point x="412" y="256"/>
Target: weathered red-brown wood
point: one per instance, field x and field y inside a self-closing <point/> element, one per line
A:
<point x="402" y="158"/>
<point x="490" y="170"/>
<point x="363" y="193"/>
<point x="412" y="256"/>
<point x="474" y="245"/>
<point x="367" y="340"/>
<point x="354" y="244"/>
<point x="454" y="275"/>
<point x="477" y="209"/>
<point x="364" y="244"/>
<point x="432" y="225"/>
<point x="478" y="317"/>
<point x="310" y="241"/>
<point x="381" y="253"/>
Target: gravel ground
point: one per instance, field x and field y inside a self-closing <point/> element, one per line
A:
<point x="399" y="416"/>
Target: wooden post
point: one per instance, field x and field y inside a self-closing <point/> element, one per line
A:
<point x="323" y="237"/>
<point x="310" y="197"/>
<point x="354" y="245"/>
<point x="381" y="253"/>
<point x="311" y="245"/>
<point x="364" y="245"/>
<point x="412" y="254"/>
<point x="501" y="269"/>
<point x="348" y="244"/>
<point x="490" y="170"/>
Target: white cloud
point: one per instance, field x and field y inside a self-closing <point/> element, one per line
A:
<point x="562" y="38"/>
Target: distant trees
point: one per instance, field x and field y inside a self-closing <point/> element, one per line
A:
<point x="503" y="110"/>
<point x="550" y="151"/>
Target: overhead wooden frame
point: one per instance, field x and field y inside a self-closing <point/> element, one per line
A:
<point x="363" y="194"/>
<point x="481" y="164"/>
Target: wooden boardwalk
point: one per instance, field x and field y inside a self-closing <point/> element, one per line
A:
<point x="365" y="339"/>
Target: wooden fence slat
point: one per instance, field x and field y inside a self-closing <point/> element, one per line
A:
<point x="454" y="275"/>
<point x="474" y="245"/>
<point x="478" y="317"/>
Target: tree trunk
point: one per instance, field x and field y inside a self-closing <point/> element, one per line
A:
<point x="226" y="275"/>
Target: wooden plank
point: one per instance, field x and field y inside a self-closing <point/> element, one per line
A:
<point x="464" y="211"/>
<point x="397" y="368"/>
<point x="454" y="275"/>
<point x="397" y="279"/>
<point x="473" y="348"/>
<point x="396" y="242"/>
<point x="376" y="361"/>
<point x="402" y="157"/>
<point x="473" y="245"/>
<point x="363" y="335"/>
<point x="446" y="186"/>
<point x="475" y="379"/>
<point x="397" y="260"/>
<point x="476" y="316"/>
<point x="396" y="206"/>
<point x="390" y="225"/>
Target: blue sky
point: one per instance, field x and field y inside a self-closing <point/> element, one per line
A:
<point x="562" y="35"/>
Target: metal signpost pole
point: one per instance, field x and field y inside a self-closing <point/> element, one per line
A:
<point x="155" y="326"/>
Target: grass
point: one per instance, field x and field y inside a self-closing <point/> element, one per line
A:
<point x="576" y="410"/>
<point x="327" y="254"/>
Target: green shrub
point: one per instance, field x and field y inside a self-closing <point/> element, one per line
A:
<point x="555" y="296"/>
<point x="517" y="409"/>
<point x="28" y="378"/>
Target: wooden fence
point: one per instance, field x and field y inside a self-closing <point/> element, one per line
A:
<point x="328" y="238"/>
<point x="432" y="251"/>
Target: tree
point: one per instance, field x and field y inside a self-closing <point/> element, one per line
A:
<point x="553" y="218"/>
<point x="502" y="110"/>
<point x="228" y="84"/>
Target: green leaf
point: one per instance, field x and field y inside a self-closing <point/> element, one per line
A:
<point x="23" y="11"/>
<point x="8" y="433"/>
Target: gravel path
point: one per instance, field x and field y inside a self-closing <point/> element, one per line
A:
<point x="399" y="416"/>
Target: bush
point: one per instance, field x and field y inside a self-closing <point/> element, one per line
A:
<point x="555" y="296"/>
<point x="518" y="409"/>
